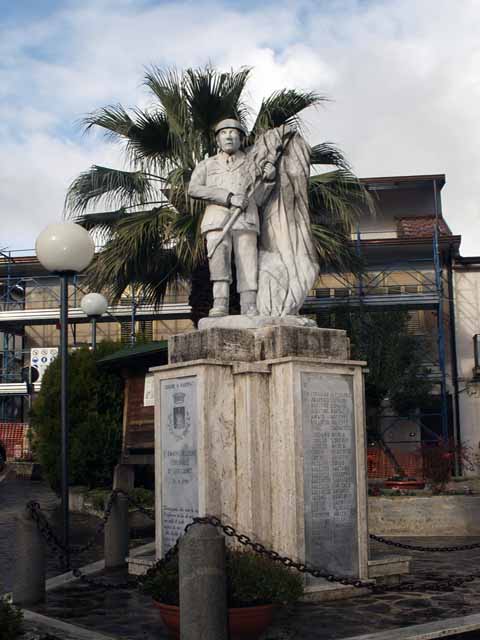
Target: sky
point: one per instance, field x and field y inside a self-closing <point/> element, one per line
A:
<point x="403" y="78"/>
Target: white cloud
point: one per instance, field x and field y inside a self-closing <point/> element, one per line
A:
<point x="402" y="76"/>
<point x="35" y="175"/>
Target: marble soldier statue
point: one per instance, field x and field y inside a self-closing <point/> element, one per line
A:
<point x="257" y="207"/>
<point x="222" y="181"/>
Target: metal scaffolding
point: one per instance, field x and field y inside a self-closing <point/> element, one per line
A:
<point x="416" y="284"/>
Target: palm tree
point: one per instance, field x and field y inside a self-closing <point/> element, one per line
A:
<point x="150" y="228"/>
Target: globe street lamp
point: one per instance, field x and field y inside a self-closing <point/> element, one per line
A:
<point x="64" y="249"/>
<point x="94" y="305"/>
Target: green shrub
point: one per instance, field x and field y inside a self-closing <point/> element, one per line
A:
<point x="143" y="497"/>
<point x="97" y="498"/>
<point x="95" y="419"/>
<point x="10" y="621"/>
<point x="251" y="580"/>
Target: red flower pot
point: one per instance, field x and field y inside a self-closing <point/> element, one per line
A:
<point x="404" y="484"/>
<point x="246" y="623"/>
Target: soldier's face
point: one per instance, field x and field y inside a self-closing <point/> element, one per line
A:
<point x="229" y="140"/>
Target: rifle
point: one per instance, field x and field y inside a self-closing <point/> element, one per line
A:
<point x="236" y="211"/>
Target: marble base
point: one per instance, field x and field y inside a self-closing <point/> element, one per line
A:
<point x="265" y="343"/>
<point x="267" y="400"/>
<point x="255" y="322"/>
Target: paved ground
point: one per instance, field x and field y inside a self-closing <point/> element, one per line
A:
<point x="14" y="494"/>
<point x="126" y="613"/>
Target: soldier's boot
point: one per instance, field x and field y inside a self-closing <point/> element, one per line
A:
<point x="221" y="292"/>
<point x="248" y="303"/>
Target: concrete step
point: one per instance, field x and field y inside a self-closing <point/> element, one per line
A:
<point x="389" y="569"/>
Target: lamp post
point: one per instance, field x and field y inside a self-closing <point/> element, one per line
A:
<point x="64" y="249"/>
<point x="94" y="306"/>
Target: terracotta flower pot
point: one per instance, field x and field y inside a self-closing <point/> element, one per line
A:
<point x="246" y="623"/>
<point x="404" y="484"/>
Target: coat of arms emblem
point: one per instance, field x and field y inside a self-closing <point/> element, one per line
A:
<point x="179" y="420"/>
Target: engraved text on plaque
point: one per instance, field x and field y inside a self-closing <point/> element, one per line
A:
<point x="179" y="457"/>
<point x="331" y="537"/>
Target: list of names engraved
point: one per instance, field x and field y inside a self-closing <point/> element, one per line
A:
<point x="179" y="457"/>
<point x="329" y="472"/>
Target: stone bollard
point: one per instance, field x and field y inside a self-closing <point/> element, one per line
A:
<point x="29" y="574"/>
<point x="124" y="477"/>
<point x="203" y="587"/>
<point x="117" y="534"/>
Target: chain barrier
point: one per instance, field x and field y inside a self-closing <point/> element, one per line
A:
<point x="150" y="513"/>
<point x="58" y="548"/>
<point x="46" y="531"/>
<point x="433" y="583"/>
<point x="75" y="551"/>
<point x="417" y="547"/>
<point x="51" y="538"/>
<point x="276" y="557"/>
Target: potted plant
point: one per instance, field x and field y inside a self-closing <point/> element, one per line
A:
<point x="255" y="585"/>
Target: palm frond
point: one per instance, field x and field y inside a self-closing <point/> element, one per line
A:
<point x="190" y="243"/>
<point x="167" y="86"/>
<point x="283" y="107"/>
<point x="335" y="250"/>
<point x="177" y="186"/>
<point x="140" y="250"/>
<point x="338" y="197"/>
<point x="328" y="154"/>
<point x="150" y="141"/>
<point x="113" y="187"/>
<point x="114" y="119"/>
<point x="212" y="96"/>
<point x="103" y="222"/>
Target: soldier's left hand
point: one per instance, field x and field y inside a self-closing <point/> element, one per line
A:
<point x="269" y="172"/>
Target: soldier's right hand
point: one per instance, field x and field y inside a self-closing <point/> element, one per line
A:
<point x="239" y="200"/>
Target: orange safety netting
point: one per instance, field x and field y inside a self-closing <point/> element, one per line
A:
<point x="381" y="467"/>
<point x="13" y="436"/>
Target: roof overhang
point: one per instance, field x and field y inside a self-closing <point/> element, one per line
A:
<point x="381" y="183"/>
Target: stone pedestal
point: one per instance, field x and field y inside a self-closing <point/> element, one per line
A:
<point x="264" y="428"/>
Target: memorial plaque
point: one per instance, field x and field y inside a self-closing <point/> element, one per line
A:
<point x="179" y="457"/>
<point x="331" y="537"/>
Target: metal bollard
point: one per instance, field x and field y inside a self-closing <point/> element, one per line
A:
<point x="203" y="587"/>
<point x="117" y="534"/>
<point x="29" y="574"/>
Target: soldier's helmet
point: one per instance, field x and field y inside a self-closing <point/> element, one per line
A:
<point x="229" y="123"/>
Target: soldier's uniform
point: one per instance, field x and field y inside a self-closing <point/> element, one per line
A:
<point x="216" y="180"/>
